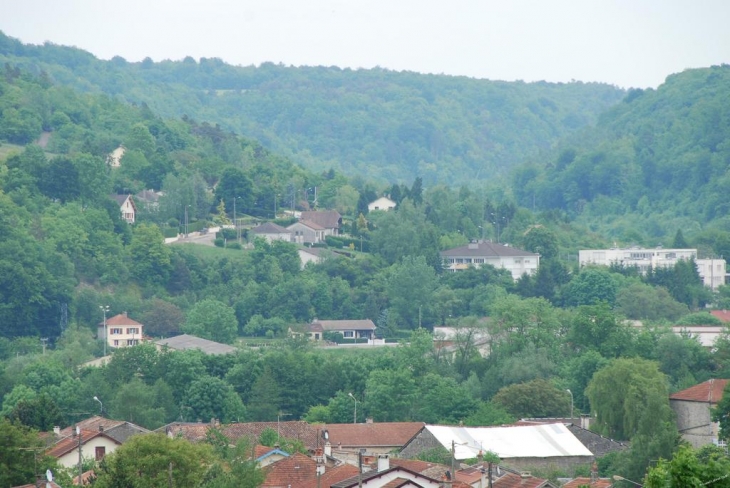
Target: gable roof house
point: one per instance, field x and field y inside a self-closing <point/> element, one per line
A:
<point x="315" y="255"/>
<point x="329" y="220"/>
<point x="94" y="445"/>
<point x="119" y="430"/>
<point x="480" y="253"/>
<point x="271" y="232"/>
<point x="121" y="331"/>
<point x="306" y="232"/>
<point x="376" y="437"/>
<point x="350" y="329"/>
<point x="382" y="203"/>
<point x="693" y="408"/>
<point x="127" y="207"/>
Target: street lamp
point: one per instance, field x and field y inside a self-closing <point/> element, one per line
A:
<point x="104" y="310"/>
<point x="571" y="404"/>
<point x="621" y="478"/>
<point x="354" y="417"/>
<point x="101" y="406"/>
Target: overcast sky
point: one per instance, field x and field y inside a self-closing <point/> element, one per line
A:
<point x="628" y="43"/>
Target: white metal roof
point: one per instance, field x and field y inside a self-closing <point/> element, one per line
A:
<point x="546" y="440"/>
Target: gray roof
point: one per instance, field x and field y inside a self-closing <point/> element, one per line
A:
<point x="486" y="249"/>
<point x="366" y="324"/>
<point x="270" y="228"/>
<point x="186" y="342"/>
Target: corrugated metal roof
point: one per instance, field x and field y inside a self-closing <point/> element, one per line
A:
<point x="549" y="440"/>
<point x="186" y="342"/>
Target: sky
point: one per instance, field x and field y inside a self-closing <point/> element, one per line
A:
<point x="627" y="43"/>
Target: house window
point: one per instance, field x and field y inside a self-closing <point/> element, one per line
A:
<point x="518" y="260"/>
<point x="116" y="331"/>
<point x="132" y="342"/>
<point x="478" y="260"/>
<point x="116" y="343"/>
<point x="348" y="334"/>
<point x="99" y="452"/>
<point x="132" y="330"/>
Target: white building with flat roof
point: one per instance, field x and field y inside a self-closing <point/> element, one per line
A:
<point x="712" y="271"/>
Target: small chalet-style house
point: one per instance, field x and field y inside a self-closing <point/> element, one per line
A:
<point x="382" y="203"/>
<point x="330" y="221"/>
<point x="479" y="253"/>
<point x="693" y="408"/>
<point x="121" y="331"/>
<point x="350" y="329"/>
<point x="271" y="232"/>
<point x="127" y="207"/>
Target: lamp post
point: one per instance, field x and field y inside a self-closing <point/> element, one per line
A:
<point x="101" y="406"/>
<point x="354" y="417"/>
<point x="571" y="404"/>
<point x="104" y="310"/>
<point x="621" y="478"/>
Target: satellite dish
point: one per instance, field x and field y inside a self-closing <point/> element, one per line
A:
<point x="49" y="475"/>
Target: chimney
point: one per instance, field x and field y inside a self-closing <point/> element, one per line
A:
<point x="101" y="428"/>
<point x="383" y="462"/>
<point x="327" y="449"/>
<point x="585" y="421"/>
<point x="125" y="313"/>
<point x="57" y="430"/>
<point x="594" y="472"/>
<point x="525" y="475"/>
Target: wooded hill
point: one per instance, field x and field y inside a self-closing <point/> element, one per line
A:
<point x="655" y="163"/>
<point x="383" y="125"/>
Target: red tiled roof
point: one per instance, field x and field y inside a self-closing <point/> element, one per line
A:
<point x="92" y="423"/>
<point x="296" y="429"/>
<point x="599" y="483"/>
<point x="432" y="470"/>
<point x="68" y="444"/>
<point x="373" y="434"/>
<point x="86" y="478"/>
<point x="723" y="315"/>
<point x="332" y="476"/>
<point x="709" y="391"/>
<point x="260" y="450"/>
<point x="512" y="480"/>
<point x="292" y="471"/>
<point x="121" y="319"/>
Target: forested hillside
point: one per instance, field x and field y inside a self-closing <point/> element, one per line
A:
<point x="657" y="162"/>
<point x="383" y="125"/>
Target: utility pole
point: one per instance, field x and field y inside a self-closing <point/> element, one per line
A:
<point x="81" y="466"/>
<point x="105" y="309"/>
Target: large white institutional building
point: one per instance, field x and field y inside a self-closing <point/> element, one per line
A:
<point x="712" y="271"/>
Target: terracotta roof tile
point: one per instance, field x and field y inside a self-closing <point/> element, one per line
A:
<point x="297" y="429"/>
<point x="332" y="476"/>
<point x="68" y="444"/>
<point x="709" y="391"/>
<point x="399" y="482"/>
<point x="121" y="319"/>
<point x="723" y="315"/>
<point x="512" y="480"/>
<point x="432" y="470"/>
<point x="92" y="423"/>
<point x="260" y="450"/>
<point x="373" y="434"/>
<point x="292" y="471"/>
<point x="579" y="482"/>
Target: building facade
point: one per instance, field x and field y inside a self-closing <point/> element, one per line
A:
<point x="121" y="331"/>
<point x="480" y="253"/>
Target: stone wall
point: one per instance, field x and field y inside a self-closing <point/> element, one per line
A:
<point x="694" y="422"/>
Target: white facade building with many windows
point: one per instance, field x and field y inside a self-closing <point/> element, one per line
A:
<point x="121" y="331"/>
<point x="712" y="271"/>
<point x="480" y="253"/>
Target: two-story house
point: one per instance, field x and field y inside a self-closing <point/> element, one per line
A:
<point x="121" y="331"/>
<point x="127" y="207"/>
<point x="480" y="253"/>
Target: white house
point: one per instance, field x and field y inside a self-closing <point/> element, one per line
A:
<point x="712" y="271"/>
<point x="480" y="253"/>
<point x="306" y="232"/>
<point x="121" y="331"/>
<point x="127" y="207"/>
<point x="93" y="445"/>
<point x="382" y="203"/>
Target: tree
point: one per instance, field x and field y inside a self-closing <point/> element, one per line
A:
<point x="679" y="242"/>
<point x="154" y="461"/>
<point x="21" y="454"/>
<point x="212" y="320"/>
<point x="592" y="286"/>
<point x="691" y="468"/>
<point x="236" y="466"/>
<point x="596" y="327"/>
<point x="209" y="397"/>
<point x="149" y="257"/>
<point x="640" y="301"/>
<point x="410" y="289"/>
<point x="721" y="413"/>
<point x="536" y="398"/>
<point x="541" y="240"/>
<point x="265" y="397"/>
<point x="619" y="393"/>
<point x="40" y="413"/>
<point x="162" y="319"/>
<point x="136" y="402"/>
